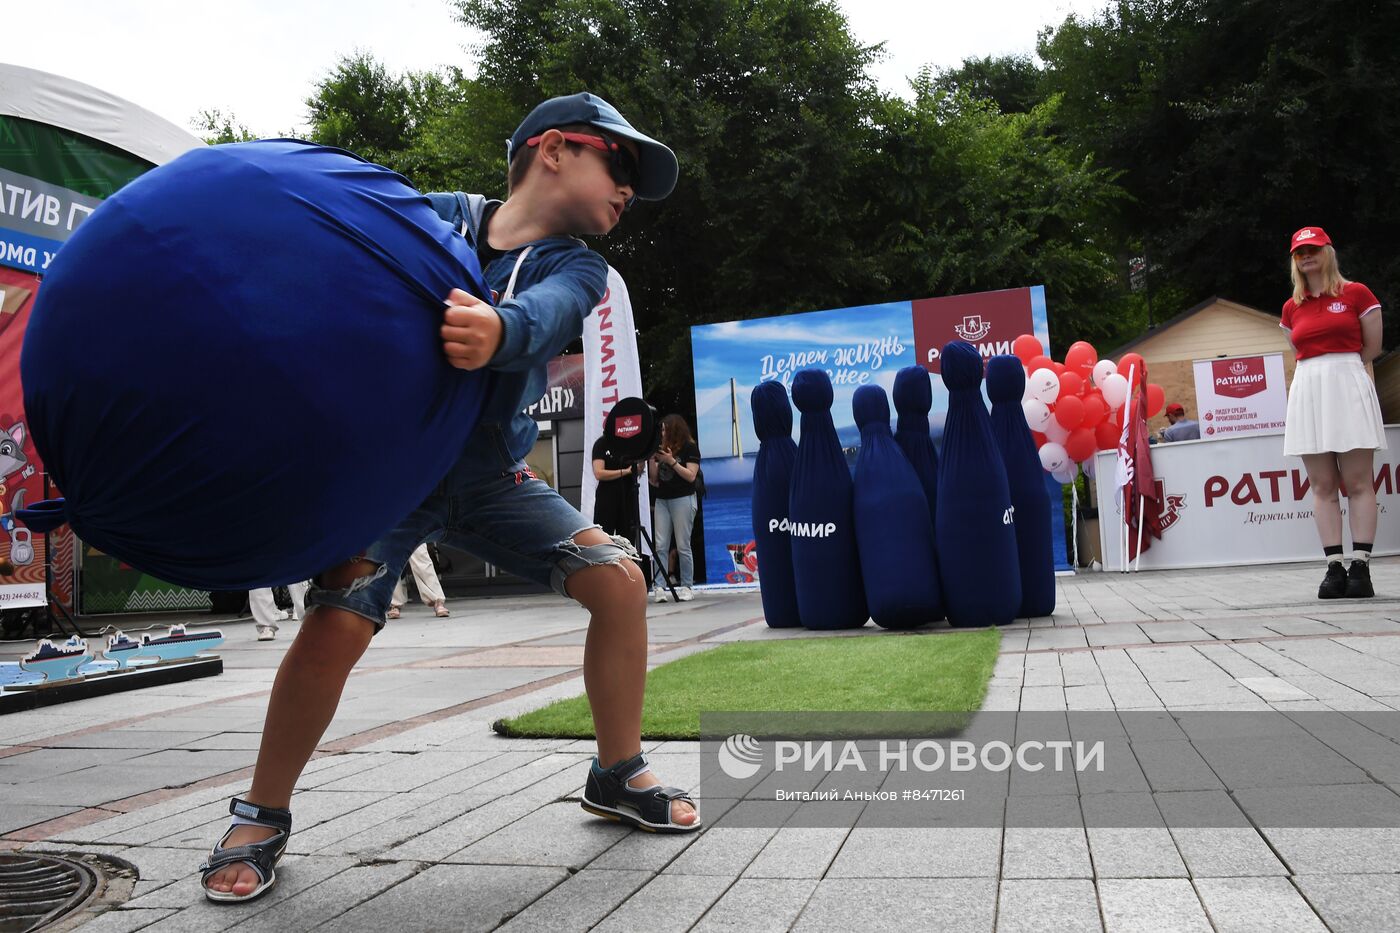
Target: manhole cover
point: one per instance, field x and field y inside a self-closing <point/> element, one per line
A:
<point x="35" y="890"/>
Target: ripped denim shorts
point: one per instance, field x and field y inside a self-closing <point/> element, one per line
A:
<point x="513" y="520"/>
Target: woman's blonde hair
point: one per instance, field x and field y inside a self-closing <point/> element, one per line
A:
<point x="1332" y="279"/>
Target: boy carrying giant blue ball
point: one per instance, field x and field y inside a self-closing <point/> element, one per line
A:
<point x="575" y="166"/>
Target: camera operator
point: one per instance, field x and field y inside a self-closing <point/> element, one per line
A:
<point x="611" y="510"/>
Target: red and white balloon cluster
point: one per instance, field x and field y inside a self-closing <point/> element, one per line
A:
<point x="1076" y="407"/>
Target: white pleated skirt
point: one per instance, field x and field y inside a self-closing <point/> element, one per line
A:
<point x="1332" y="407"/>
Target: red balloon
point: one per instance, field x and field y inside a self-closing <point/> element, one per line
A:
<point x="1095" y="408"/>
<point x="1156" y="398"/>
<point x="1135" y="362"/>
<point x="1059" y="368"/>
<point x="1027" y="347"/>
<point x="1038" y="438"/>
<point x="1080" y="445"/>
<point x="1081" y="357"/>
<point x="1069" y="411"/>
<point x="1071" y="383"/>
<point x="1106" y="435"/>
<point x="1038" y="362"/>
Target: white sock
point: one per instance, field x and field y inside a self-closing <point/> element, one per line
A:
<point x="1363" y="556"/>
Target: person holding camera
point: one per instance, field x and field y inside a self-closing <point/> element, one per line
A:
<point x="610" y="505"/>
<point x="673" y="470"/>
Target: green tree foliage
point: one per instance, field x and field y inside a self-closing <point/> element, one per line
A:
<point x="439" y="128"/>
<point x="215" y="127"/>
<point x="1012" y="82"/>
<point x="965" y="198"/>
<point x="1234" y="122"/>
<point x="360" y="106"/>
<point x="802" y="186"/>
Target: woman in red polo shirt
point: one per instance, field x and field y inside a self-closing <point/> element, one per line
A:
<point x="1334" y="419"/>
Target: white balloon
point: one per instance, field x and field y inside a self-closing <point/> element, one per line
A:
<point x="1056" y="431"/>
<point x="1115" y="391"/>
<point x="1053" y="456"/>
<point x="1037" y="414"/>
<point x="1045" y="385"/>
<point x="1064" y="475"/>
<point x="1102" y="370"/>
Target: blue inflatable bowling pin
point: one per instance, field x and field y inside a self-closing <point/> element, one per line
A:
<point x="913" y="397"/>
<point x="772" y="487"/>
<point x="893" y="531"/>
<point x="825" y="565"/>
<point x="981" y="570"/>
<point x="1006" y="383"/>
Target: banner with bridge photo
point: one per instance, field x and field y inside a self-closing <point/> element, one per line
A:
<point x="856" y="346"/>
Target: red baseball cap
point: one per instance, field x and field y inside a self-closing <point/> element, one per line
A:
<point x="1175" y="409"/>
<point x="1309" y="236"/>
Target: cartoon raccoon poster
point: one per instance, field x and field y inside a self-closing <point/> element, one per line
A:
<point x="21" y="554"/>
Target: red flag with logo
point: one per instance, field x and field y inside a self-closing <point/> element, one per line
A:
<point x="1141" y="502"/>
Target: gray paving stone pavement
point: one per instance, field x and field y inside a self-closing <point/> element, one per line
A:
<point x="1035" y="905"/>
<point x="416" y="816"/>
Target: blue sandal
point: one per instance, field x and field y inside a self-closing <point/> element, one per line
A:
<point x="262" y="856"/>
<point x="607" y="794"/>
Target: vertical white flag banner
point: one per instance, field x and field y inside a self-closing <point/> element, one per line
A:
<point x="612" y="371"/>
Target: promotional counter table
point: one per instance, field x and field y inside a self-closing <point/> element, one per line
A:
<point x="1238" y="501"/>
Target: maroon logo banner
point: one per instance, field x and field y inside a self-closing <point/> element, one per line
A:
<point x="1239" y="378"/>
<point x="989" y="321"/>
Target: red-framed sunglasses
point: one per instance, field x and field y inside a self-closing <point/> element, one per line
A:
<point x="622" y="165"/>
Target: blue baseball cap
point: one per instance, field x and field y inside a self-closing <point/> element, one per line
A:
<point x="656" y="165"/>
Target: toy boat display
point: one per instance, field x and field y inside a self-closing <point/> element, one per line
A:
<point x="57" y="662"/>
<point x="64" y="671"/>
<point x="121" y="649"/>
<point x="179" y="644"/>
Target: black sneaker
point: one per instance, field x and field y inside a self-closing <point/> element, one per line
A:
<point x="1335" y="584"/>
<point x="1359" y="580"/>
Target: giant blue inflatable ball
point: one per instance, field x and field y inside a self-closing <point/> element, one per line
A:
<point x="1006" y="383"/>
<point x="893" y="532"/>
<point x="233" y="370"/>
<point x="825" y="565"/>
<point x="913" y="397"/>
<point x="977" y="556"/>
<point x="772" y="487"/>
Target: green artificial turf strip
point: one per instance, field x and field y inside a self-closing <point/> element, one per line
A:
<point x="945" y="672"/>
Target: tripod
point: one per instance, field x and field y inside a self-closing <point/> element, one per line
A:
<point x="637" y="532"/>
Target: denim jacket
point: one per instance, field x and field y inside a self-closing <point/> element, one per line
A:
<point x="544" y="291"/>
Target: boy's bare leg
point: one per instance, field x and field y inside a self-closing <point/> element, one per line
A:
<point x="303" y="703"/>
<point x="615" y="660"/>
